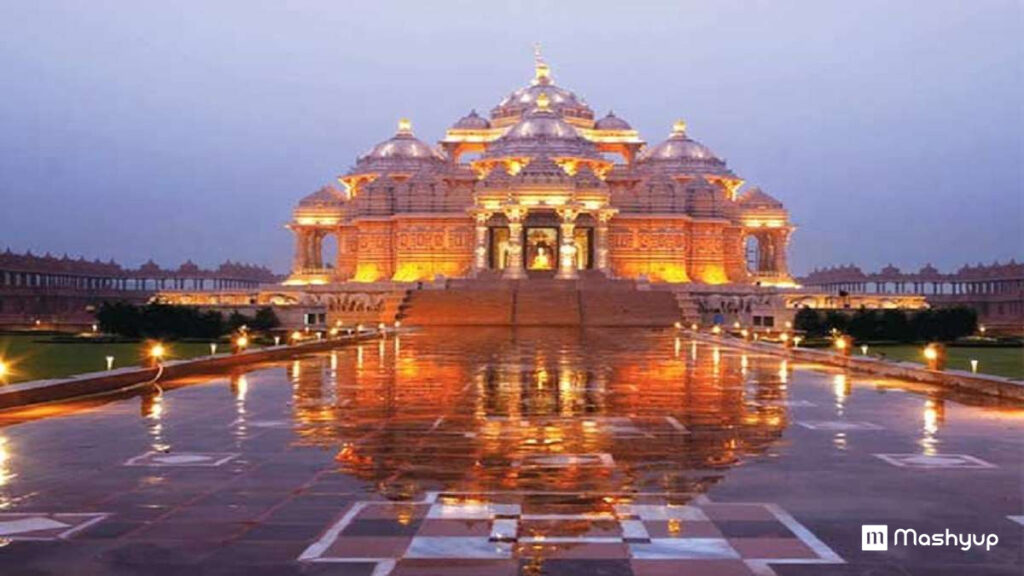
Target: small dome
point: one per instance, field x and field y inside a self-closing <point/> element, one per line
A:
<point x="326" y="196"/>
<point x="757" y="198"/>
<point x="472" y="121"/>
<point x="612" y="122"/>
<point x="403" y="145"/>
<point x="682" y="154"/>
<point x="679" y="146"/>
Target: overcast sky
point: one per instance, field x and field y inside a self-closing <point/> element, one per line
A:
<point x="135" y="129"/>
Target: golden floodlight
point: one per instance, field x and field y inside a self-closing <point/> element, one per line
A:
<point x="3" y="369"/>
<point x="842" y="344"/>
<point x="716" y="330"/>
<point x="935" y="354"/>
<point x="157" y="351"/>
<point x="296" y="336"/>
<point x="242" y="342"/>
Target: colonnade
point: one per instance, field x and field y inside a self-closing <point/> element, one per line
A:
<point x="515" y="214"/>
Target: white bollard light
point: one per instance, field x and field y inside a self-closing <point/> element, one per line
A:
<point x="110" y="363"/>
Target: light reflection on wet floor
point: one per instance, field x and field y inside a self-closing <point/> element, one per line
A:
<point x="498" y="452"/>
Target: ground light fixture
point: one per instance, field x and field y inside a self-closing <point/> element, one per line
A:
<point x="797" y="340"/>
<point x="241" y="342"/>
<point x="213" y="348"/>
<point x="3" y="370"/>
<point x="935" y="356"/>
<point x="842" y="344"/>
<point x="157" y="353"/>
<point x="110" y="363"/>
<point x="974" y="366"/>
<point x="277" y="340"/>
<point x="864" y="350"/>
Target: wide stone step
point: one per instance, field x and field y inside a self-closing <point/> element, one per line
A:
<point x="629" y="308"/>
<point x="547" y="308"/>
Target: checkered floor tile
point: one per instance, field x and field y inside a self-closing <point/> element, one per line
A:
<point x="648" y="534"/>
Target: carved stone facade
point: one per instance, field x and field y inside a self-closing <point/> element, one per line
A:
<point x="539" y="189"/>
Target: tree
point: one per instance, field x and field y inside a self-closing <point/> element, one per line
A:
<point x="265" y="320"/>
<point x="810" y="321"/>
<point x="836" y="320"/>
<point x="863" y="325"/>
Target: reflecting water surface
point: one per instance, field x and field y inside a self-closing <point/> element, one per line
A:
<point x="513" y="451"/>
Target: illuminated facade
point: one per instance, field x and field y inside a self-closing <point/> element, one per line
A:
<point x="542" y="188"/>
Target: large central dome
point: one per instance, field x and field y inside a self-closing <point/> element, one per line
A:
<point x="563" y="101"/>
<point x="542" y="131"/>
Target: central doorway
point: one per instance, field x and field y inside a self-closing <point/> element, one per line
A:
<point x="541" y="240"/>
<point x="541" y="249"/>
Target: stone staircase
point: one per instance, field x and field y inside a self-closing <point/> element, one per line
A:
<point x="688" y="311"/>
<point x="589" y="301"/>
<point x="628" y="308"/>
<point x="458" y="307"/>
<point x="547" y="303"/>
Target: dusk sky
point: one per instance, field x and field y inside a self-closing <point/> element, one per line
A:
<point x="891" y="130"/>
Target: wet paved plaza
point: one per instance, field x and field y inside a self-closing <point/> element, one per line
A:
<point x="479" y="452"/>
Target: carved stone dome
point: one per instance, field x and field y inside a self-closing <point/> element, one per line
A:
<point x="612" y="122"/>
<point x="680" y="153"/>
<point x="542" y="132"/>
<point x="401" y="152"/>
<point x="472" y="121"/>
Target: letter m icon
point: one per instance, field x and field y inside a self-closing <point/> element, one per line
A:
<point x="874" y="537"/>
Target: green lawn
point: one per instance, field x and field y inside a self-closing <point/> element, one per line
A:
<point x="33" y="357"/>
<point x="1007" y="362"/>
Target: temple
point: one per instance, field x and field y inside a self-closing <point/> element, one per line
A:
<point x="541" y="188"/>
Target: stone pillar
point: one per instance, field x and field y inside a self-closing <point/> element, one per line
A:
<point x="317" y="257"/>
<point x="567" y="249"/>
<point x="601" y="259"/>
<point x="300" y="261"/>
<point x="781" y="242"/>
<point x="516" y="266"/>
<point x="480" y="245"/>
